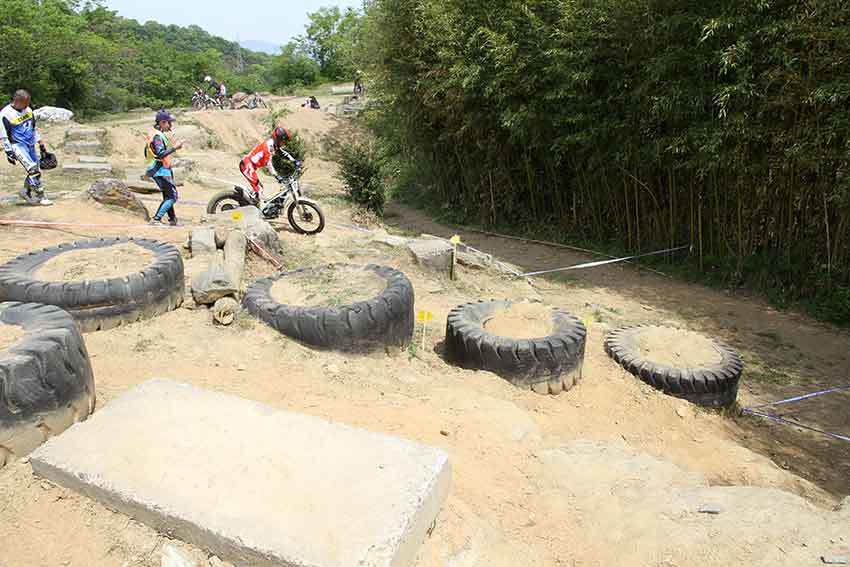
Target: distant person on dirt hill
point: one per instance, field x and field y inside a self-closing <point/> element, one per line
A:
<point x="262" y="156"/>
<point x="160" y="149"/>
<point x="311" y="102"/>
<point x="358" y="82"/>
<point x="19" y="136"/>
<point x="218" y="90"/>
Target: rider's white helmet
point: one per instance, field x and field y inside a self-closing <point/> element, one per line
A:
<point x="208" y="78"/>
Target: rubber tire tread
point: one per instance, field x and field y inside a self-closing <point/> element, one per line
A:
<point x="45" y="373"/>
<point x="526" y="363"/>
<point x="715" y="386"/>
<point x="386" y="320"/>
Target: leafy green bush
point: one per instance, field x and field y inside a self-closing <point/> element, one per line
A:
<point x="361" y="171"/>
<point x="297" y="147"/>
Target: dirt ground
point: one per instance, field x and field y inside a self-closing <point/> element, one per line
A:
<point x="611" y="473"/>
<point x="678" y="348"/>
<point x="337" y="285"/>
<point x="121" y="260"/>
<point x="522" y="321"/>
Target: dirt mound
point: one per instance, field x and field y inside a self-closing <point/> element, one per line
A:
<point x="674" y="517"/>
<point x="233" y="130"/>
<point x="678" y="348"/>
<point x="333" y="286"/>
<point x="96" y="264"/>
<point x="9" y="335"/>
<point x="522" y="321"/>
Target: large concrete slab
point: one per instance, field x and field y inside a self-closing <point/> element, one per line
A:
<point x="252" y="484"/>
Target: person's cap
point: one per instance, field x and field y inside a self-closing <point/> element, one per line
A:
<point x="164" y="116"/>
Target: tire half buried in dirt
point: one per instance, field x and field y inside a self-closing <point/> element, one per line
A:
<point x="548" y="365"/>
<point x="385" y="320"/>
<point x="100" y="304"/>
<point x="46" y="380"/>
<point x="713" y="383"/>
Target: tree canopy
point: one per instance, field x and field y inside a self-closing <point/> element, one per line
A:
<point x="637" y="123"/>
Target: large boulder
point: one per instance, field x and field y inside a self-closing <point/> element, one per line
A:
<point x="114" y="193"/>
<point x="53" y="114"/>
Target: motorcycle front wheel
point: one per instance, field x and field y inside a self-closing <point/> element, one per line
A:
<point x="306" y="218"/>
<point x="225" y="201"/>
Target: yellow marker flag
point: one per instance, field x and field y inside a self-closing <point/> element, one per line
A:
<point x="455" y="240"/>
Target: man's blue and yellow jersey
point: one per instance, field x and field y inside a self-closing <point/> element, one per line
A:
<point x="18" y="126"/>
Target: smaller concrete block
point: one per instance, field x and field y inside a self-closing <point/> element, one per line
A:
<point x="432" y="254"/>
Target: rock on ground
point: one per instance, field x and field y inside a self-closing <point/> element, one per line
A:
<point x="225" y="310"/>
<point x="53" y="114"/>
<point x="474" y="260"/>
<point x="433" y="254"/>
<point x="114" y="193"/>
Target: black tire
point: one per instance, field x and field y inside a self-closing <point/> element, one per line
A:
<point x="226" y="201"/>
<point x="294" y="218"/>
<point x="384" y="321"/>
<point x="713" y="386"/>
<point x="46" y="379"/>
<point x="100" y="304"/>
<point x="546" y="365"/>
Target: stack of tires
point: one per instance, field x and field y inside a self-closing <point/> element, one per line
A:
<point x="100" y="304"/>
<point x="46" y="379"/>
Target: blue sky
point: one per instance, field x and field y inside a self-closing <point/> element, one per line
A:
<point x="274" y="21"/>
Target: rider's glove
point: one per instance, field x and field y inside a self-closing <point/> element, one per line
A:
<point x="298" y="164"/>
<point x="280" y="178"/>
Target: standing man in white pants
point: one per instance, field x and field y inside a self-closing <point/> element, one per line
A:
<point x="19" y="136"/>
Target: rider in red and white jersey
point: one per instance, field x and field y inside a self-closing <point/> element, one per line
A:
<point x="262" y="156"/>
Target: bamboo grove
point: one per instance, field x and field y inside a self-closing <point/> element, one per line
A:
<point x="638" y="123"/>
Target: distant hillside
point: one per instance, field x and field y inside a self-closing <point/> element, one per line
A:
<point x="261" y="46"/>
<point x="91" y="59"/>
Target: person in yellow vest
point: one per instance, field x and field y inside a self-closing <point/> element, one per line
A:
<point x="161" y="149"/>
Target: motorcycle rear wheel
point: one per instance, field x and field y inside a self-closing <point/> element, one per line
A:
<point x="226" y="201"/>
